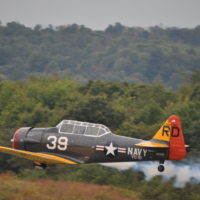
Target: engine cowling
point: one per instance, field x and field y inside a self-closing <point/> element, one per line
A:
<point x="19" y="136"/>
<point x="27" y="138"/>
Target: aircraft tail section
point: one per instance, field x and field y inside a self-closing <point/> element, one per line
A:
<point x="163" y="134"/>
<point x="172" y="135"/>
<point x="177" y="147"/>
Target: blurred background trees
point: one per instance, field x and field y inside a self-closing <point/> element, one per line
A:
<point x="119" y="53"/>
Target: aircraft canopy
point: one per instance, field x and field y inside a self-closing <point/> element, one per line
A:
<point x="82" y="128"/>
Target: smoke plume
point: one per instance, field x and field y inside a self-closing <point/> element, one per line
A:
<point x="184" y="171"/>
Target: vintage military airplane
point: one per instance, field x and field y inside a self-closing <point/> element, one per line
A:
<point x="73" y="142"/>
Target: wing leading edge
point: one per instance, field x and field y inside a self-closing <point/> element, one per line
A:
<point x="37" y="157"/>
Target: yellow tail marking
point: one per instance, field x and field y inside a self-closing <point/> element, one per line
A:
<point x="164" y="132"/>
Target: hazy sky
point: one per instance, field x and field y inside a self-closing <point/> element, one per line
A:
<point x="98" y="14"/>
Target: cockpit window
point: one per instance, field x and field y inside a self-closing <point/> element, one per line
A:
<point x="82" y="128"/>
<point x="92" y="131"/>
<point x="67" y="128"/>
<point x="79" y="130"/>
<point x="101" y="131"/>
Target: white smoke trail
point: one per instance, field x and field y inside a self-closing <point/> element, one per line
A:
<point x="182" y="171"/>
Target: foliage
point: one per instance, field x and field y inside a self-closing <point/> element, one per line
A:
<point x="119" y="53"/>
<point x="12" y="187"/>
<point x="135" y="110"/>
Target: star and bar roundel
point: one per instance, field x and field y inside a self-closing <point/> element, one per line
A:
<point x="110" y="150"/>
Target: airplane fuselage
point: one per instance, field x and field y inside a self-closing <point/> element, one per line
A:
<point x="87" y="148"/>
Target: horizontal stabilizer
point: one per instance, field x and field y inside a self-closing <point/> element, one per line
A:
<point x="37" y="157"/>
<point x="152" y="144"/>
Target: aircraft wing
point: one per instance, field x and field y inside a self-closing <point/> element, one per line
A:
<point x="37" y="157"/>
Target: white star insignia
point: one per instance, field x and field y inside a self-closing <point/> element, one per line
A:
<point x="110" y="149"/>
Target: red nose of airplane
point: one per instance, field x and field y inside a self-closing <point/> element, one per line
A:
<point x="16" y="138"/>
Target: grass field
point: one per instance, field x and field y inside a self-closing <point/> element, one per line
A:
<point x="14" y="188"/>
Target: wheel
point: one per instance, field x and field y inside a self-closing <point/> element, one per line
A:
<point x="161" y="168"/>
<point x="39" y="165"/>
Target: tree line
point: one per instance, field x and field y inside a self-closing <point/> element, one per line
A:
<point x="119" y="53"/>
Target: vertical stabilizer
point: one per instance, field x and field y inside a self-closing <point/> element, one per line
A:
<point x="171" y="134"/>
<point x="163" y="134"/>
<point x="177" y="149"/>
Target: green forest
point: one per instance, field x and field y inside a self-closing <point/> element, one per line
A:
<point x="135" y="110"/>
<point x="130" y="79"/>
<point x="119" y="53"/>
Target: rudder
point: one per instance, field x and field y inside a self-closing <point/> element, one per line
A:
<point x="177" y="149"/>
